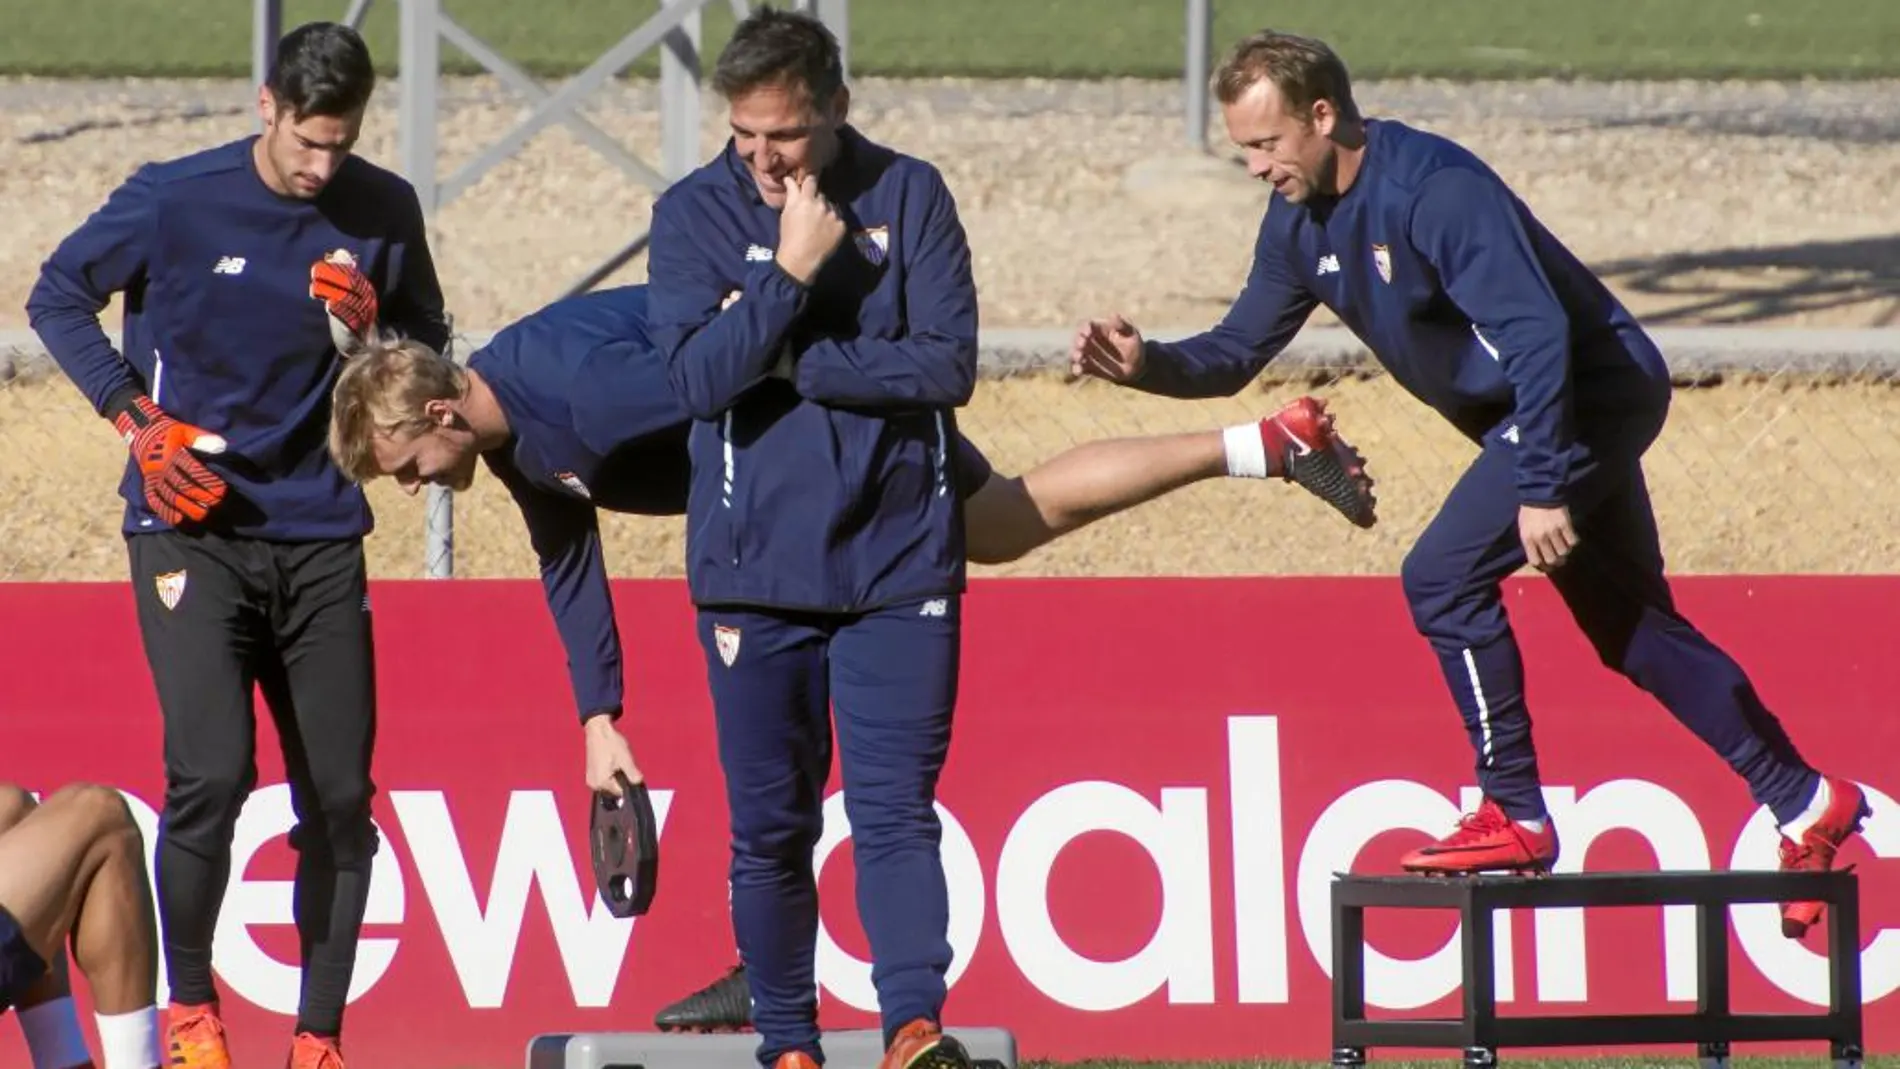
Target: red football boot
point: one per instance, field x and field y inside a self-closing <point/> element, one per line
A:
<point x="1487" y="841"/>
<point x="1303" y="447"/>
<point x="194" y="1038"/>
<point x="922" y="1045"/>
<point x="315" y="1052"/>
<point x="1846" y="809"/>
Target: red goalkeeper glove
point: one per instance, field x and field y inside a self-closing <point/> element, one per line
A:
<point x="178" y="486"/>
<point x="350" y="298"/>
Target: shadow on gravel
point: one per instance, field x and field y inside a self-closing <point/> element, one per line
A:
<point x="1748" y="285"/>
<point x="1874" y="127"/>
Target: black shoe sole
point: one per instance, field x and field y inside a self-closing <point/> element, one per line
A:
<point x="705" y="1025"/>
<point x="1324" y="477"/>
<point x="947" y="1054"/>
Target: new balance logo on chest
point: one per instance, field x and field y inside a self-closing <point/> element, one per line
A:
<point x="228" y="265"/>
<point x="1328" y="265"/>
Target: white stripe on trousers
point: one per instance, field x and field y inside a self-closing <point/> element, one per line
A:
<point x="1484" y="710"/>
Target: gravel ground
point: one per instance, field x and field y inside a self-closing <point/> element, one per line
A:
<point x="1750" y="477"/>
<point x="1703" y="203"/>
<point x="1766" y="205"/>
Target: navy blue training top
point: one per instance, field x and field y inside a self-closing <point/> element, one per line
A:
<point x="833" y="490"/>
<point x="594" y="424"/>
<point x="1462" y="295"/>
<point x="220" y="329"/>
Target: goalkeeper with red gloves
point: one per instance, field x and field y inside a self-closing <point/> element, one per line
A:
<point x="245" y="269"/>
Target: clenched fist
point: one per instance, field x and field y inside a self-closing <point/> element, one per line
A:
<point x="809" y="230"/>
<point x="1548" y="535"/>
<point x="178" y="486"/>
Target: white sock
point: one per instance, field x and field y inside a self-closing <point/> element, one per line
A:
<point x="129" y="1040"/>
<point x="1246" y="451"/>
<point x="1823" y="797"/>
<point x="1535" y="827"/>
<point x="53" y="1036"/>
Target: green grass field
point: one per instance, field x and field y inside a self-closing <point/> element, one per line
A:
<point x="1054" y="38"/>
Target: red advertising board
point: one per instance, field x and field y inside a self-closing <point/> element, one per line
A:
<point x="1152" y="783"/>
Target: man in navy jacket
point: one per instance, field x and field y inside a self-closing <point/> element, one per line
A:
<point x="243" y="267"/>
<point x="824" y="530"/>
<point x="1477" y="310"/>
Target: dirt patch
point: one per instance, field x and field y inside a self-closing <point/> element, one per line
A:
<point x="1749" y="477"/>
<point x="1702" y="203"/>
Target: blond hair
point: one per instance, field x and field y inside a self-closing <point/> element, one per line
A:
<point x="384" y="390"/>
<point x="1304" y="69"/>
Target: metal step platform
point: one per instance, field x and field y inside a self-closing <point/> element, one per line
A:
<point x="990" y="1048"/>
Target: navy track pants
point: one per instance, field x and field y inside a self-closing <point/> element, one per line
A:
<point x="890" y="679"/>
<point x="1615" y="588"/>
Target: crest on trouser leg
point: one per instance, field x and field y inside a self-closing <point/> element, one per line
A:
<point x="170" y="587"/>
<point x="726" y="640"/>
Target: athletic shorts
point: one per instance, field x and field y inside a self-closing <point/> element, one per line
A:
<point x="20" y="965"/>
<point x="973" y="468"/>
<point x="650" y="476"/>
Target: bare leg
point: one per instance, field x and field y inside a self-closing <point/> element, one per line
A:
<point x="48" y="1018"/>
<point x="15" y="804"/>
<point x="1008" y="517"/>
<point x="75" y="867"/>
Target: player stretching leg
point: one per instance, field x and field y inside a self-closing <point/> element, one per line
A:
<point x="1473" y="306"/>
<point x="572" y="409"/>
<point x="242" y="264"/>
<point x="72" y="873"/>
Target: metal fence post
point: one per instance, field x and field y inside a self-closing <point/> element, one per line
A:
<point x="1200" y="24"/>
<point x="419" y="64"/>
<point x="836" y="14"/>
<point x="267" y="27"/>
<point x="679" y="97"/>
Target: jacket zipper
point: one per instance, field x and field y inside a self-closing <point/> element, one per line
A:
<point x="726" y="488"/>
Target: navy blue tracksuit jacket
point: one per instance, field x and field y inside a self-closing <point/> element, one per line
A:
<point x="220" y="329"/>
<point x="594" y="425"/>
<point x="831" y="492"/>
<point x="1480" y="312"/>
<point x="1464" y="297"/>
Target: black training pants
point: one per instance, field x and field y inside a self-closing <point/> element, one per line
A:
<point x="221" y="616"/>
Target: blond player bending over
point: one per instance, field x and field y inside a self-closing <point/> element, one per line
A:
<point x="571" y="408"/>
